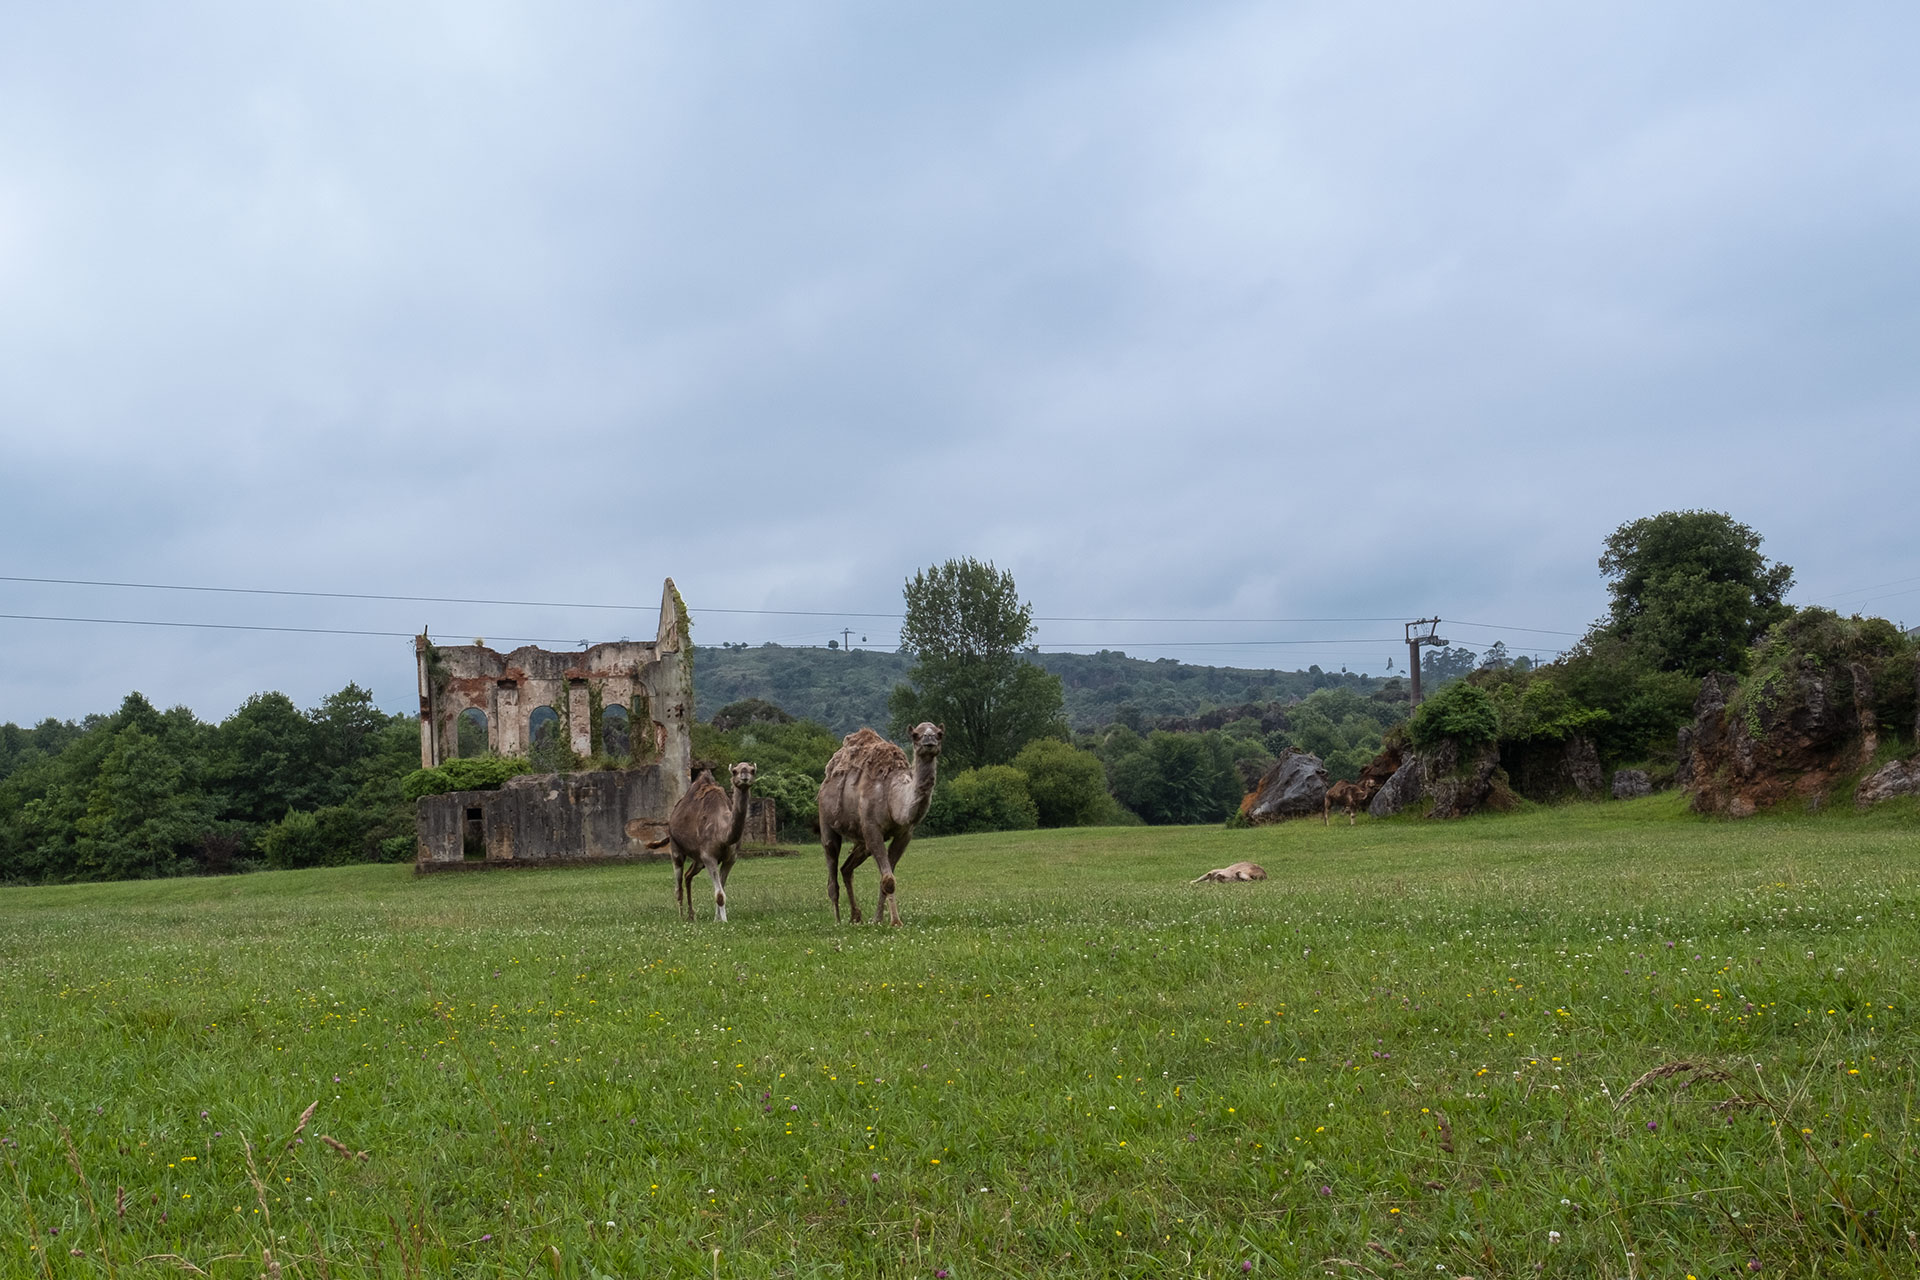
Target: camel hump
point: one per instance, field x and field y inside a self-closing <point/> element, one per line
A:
<point x="865" y="752"/>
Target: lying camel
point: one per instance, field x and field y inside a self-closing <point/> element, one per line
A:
<point x="1239" y="871"/>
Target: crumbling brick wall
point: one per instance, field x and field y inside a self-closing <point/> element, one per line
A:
<point x="652" y="682"/>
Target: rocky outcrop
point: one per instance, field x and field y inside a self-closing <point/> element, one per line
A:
<point x="1401" y="791"/>
<point x="1554" y="769"/>
<point x="1448" y="781"/>
<point x="1630" y="784"/>
<point x="1789" y="734"/>
<point x="1294" y="786"/>
<point x="1901" y="778"/>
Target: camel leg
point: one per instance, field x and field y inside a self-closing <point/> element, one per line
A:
<point x="896" y="851"/>
<point x="687" y="873"/>
<point x="719" y="880"/>
<point x="1349" y="815"/>
<point x="1326" y="808"/>
<point x="726" y="869"/>
<point x="883" y="860"/>
<point x="855" y="857"/>
<point x="679" y="884"/>
<point x="830" y="841"/>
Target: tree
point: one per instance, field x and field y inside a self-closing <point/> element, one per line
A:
<point x="1178" y="778"/>
<point x="263" y="760"/>
<point x="965" y="627"/>
<point x="1691" y="591"/>
<point x="1067" y="784"/>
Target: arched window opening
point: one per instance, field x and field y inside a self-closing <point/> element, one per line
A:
<point x="616" y="737"/>
<point x="470" y="733"/>
<point x="544" y="745"/>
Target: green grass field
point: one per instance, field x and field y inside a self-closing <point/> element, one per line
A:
<point x="1418" y="1047"/>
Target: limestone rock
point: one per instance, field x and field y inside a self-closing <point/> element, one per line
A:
<point x="1295" y="786"/>
<point x="1400" y="792"/>
<point x="1462" y="783"/>
<point x="1548" y="771"/>
<point x="1792" y="739"/>
<point x="1901" y="778"/>
<point x="1449" y="782"/>
<point x="1629" y="784"/>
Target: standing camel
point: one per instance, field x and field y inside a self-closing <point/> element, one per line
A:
<point x="1353" y="796"/>
<point x="704" y="830"/>
<point x="873" y="797"/>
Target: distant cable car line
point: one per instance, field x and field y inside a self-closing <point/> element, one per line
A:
<point x="242" y="626"/>
<point x="795" y="613"/>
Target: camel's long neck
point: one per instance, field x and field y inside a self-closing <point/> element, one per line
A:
<point x="920" y="794"/>
<point x="739" y="817"/>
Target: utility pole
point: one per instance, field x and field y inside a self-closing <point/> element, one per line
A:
<point x="1413" y="648"/>
<point x="846" y="637"/>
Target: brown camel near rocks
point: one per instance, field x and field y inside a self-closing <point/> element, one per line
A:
<point x="1353" y="796"/>
<point x="704" y="830"/>
<point x="872" y="797"/>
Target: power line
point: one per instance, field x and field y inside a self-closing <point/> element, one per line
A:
<point x="799" y="613"/>
<point x="578" y="604"/>
<point x="1061" y="646"/>
<point x="1854" y="591"/>
<point x="239" y="626"/>
<point x="1494" y="626"/>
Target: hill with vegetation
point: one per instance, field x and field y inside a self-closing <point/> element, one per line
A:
<point x="846" y="688"/>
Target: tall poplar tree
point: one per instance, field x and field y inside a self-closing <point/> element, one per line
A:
<point x="965" y="627"/>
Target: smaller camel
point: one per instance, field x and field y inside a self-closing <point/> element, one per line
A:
<point x="873" y="797"/>
<point x="1237" y="873"/>
<point x="1353" y="796"/>
<point x="704" y="830"/>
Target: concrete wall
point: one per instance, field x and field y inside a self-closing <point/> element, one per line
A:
<point x="547" y="818"/>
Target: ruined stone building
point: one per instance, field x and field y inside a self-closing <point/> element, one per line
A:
<point x="626" y="704"/>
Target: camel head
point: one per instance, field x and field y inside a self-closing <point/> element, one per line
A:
<point x="927" y="738"/>
<point x="742" y="774"/>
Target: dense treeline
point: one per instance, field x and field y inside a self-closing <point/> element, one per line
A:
<point x="144" y="792"/>
<point x="844" y="689"/>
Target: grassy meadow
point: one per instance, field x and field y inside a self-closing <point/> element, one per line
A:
<point x="1595" y="1041"/>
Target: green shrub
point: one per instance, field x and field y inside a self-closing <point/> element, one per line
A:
<point x="1066" y="784"/>
<point x="295" y="841"/>
<point x="993" y="798"/>
<point x="796" y="800"/>
<point x="1462" y="711"/>
<point x="330" y="837"/>
<point x="482" y="773"/>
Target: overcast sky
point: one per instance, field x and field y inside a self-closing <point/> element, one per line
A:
<point x="1191" y="311"/>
